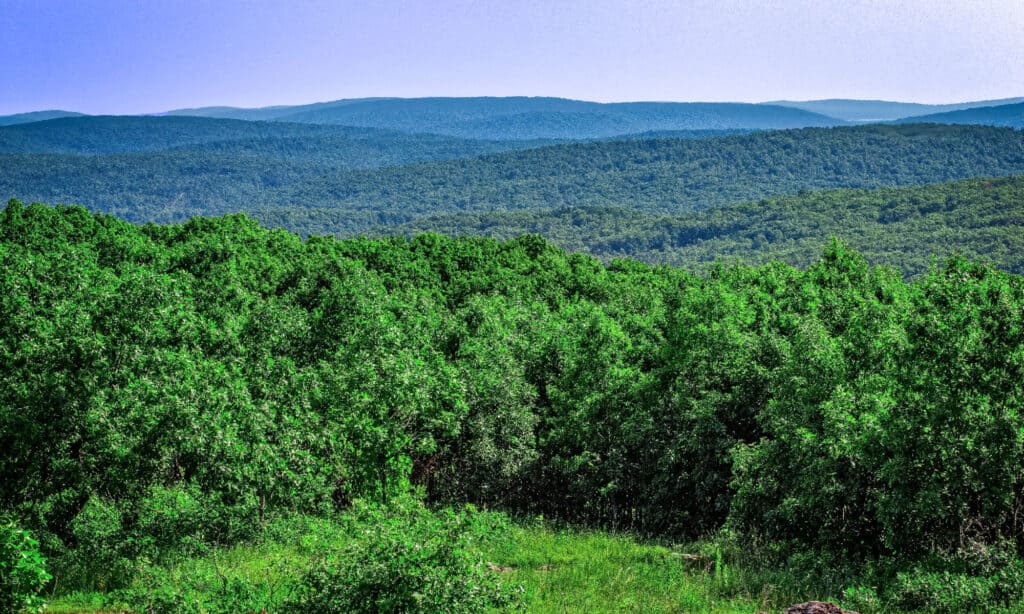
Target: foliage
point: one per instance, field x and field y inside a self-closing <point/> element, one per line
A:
<point x="406" y="559"/>
<point x="558" y="568"/>
<point x="22" y="571"/>
<point x="169" y="391"/>
<point x="158" y="592"/>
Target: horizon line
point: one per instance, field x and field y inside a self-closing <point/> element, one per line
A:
<point x="776" y="101"/>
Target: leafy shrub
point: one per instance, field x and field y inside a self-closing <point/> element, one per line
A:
<point x="941" y="592"/>
<point x="22" y="571"/>
<point x="102" y="556"/>
<point x="157" y="591"/>
<point x="113" y="540"/>
<point x="406" y="559"/>
<point x="981" y="579"/>
<point x="862" y="599"/>
<point x="172" y="520"/>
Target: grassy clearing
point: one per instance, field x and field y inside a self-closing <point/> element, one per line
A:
<point x="577" y="571"/>
<point x="560" y="570"/>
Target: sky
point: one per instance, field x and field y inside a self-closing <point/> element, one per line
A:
<point x="145" y="56"/>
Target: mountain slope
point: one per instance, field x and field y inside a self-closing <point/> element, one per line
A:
<point x="883" y="110"/>
<point x="530" y="118"/>
<point x="34" y="116"/>
<point x="133" y="134"/>
<point x="902" y="227"/>
<point x="262" y="113"/>
<point x="656" y="176"/>
<point x="1011" y="115"/>
<point x="653" y="175"/>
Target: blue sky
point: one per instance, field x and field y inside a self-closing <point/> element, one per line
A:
<point x="116" y="56"/>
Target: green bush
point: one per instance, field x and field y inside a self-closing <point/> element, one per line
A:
<point x="112" y="540"/>
<point x="941" y="592"/>
<point x="172" y="520"/>
<point x="984" y="579"/>
<point x="101" y="558"/>
<point x="22" y="571"/>
<point x="157" y="591"/>
<point x="406" y="559"/>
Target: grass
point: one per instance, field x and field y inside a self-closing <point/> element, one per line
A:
<point x="586" y="571"/>
<point x="560" y="570"/>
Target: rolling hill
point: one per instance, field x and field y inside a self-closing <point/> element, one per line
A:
<point x="664" y="176"/>
<point x="1011" y="115"/>
<point x="264" y="113"/>
<point x="652" y="175"/>
<point x="34" y="116"/>
<point x="866" y="111"/>
<point x="323" y="147"/>
<point x="528" y="118"/>
<point x="902" y="227"/>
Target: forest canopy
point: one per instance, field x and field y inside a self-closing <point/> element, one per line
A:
<point x="905" y="227"/>
<point x="233" y="373"/>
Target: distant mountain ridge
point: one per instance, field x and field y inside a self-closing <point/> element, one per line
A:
<point x="520" y="118"/>
<point x="272" y="113"/>
<point x="549" y="118"/>
<point x="1009" y="115"/>
<point x="883" y="110"/>
<point x="35" y="116"/>
<point x="119" y="134"/>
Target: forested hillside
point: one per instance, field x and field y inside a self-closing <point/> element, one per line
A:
<point x="520" y="118"/>
<point x="652" y="175"/>
<point x="884" y="110"/>
<point x="170" y="390"/>
<point x="901" y="227"/>
<point x="34" y="116"/>
<point x="1011" y="115"/>
<point x="325" y="147"/>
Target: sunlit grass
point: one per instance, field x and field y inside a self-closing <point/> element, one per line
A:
<point x="560" y="570"/>
<point x="584" y="571"/>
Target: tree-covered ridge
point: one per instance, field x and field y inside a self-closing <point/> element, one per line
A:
<point x="326" y="147"/>
<point x="165" y="387"/>
<point x="665" y="176"/>
<point x="671" y="176"/>
<point x="901" y="227"/>
<point x="34" y="116"/>
<point x="520" y="117"/>
<point x="885" y="110"/>
<point x="1011" y="115"/>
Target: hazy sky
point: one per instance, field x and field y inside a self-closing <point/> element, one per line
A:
<point x="113" y="56"/>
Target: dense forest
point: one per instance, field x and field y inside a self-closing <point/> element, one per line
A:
<point x="175" y="389"/>
<point x="664" y="176"/>
<point x="903" y="227"/>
